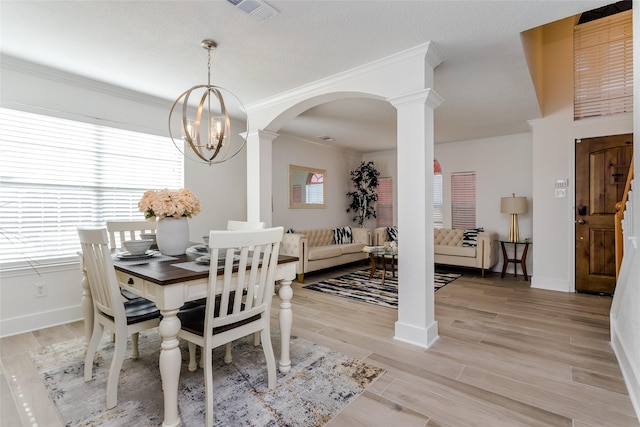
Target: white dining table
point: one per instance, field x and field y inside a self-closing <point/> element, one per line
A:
<point x="170" y="282"/>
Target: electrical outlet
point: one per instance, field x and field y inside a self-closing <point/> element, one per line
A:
<point x="40" y="290"/>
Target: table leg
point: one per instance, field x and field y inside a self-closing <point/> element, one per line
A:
<point x="170" y="360"/>
<point x="372" y="258"/>
<point x="523" y="261"/>
<point x="286" y="319"/>
<point x="505" y="260"/>
<point x="384" y="269"/>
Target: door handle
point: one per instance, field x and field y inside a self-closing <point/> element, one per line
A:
<point x="580" y="221"/>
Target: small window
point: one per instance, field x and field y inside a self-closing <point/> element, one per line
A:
<point x="384" y="206"/>
<point x="463" y="200"/>
<point x="315" y="189"/>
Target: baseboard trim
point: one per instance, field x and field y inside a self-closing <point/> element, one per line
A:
<point x="631" y="377"/>
<point x="417" y="336"/>
<point x="551" y="284"/>
<point x="47" y="319"/>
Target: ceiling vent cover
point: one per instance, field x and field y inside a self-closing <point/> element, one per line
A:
<point x="257" y="9"/>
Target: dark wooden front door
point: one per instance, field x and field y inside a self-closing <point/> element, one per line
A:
<point x="602" y="165"/>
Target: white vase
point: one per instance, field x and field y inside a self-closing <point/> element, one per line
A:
<point x="172" y="235"/>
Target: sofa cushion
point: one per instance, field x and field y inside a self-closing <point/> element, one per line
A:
<point x="342" y="235"/>
<point x="461" y="251"/>
<point x="392" y="233"/>
<point x="470" y="236"/>
<point x="447" y="236"/>
<point x="322" y="252"/>
<point x="351" y="248"/>
<point x="318" y="237"/>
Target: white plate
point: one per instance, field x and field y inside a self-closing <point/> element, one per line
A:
<point x="200" y="248"/>
<point x="206" y="259"/>
<point x="127" y="255"/>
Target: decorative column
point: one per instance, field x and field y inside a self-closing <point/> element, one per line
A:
<point x="260" y="176"/>
<point x="416" y="312"/>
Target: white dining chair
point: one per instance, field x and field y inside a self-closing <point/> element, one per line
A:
<point x="235" y="225"/>
<point x="111" y="311"/>
<point x="244" y="225"/>
<point x="120" y="231"/>
<point x="238" y="303"/>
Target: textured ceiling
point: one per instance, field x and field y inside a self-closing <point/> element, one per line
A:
<point x="154" y="47"/>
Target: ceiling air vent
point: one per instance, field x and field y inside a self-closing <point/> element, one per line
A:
<point x="257" y="9"/>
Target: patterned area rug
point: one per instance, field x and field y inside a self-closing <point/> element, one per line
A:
<point x="357" y="286"/>
<point x="320" y="384"/>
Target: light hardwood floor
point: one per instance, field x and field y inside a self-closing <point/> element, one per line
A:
<point x="507" y="355"/>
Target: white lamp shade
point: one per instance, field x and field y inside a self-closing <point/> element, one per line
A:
<point x="513" y="205"/>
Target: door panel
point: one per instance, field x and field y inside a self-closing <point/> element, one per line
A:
<point x="602" y="165"/>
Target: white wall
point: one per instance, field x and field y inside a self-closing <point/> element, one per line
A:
<point x="503" y="166"/>
<point x="554" y="158"/>
<point x="338" y="164"/>
<point x="625" y="316"/>
<point x="221" y="188"/>
<point x="387" y="163"/>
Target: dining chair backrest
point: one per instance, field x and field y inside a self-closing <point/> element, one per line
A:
<point x="98" y="264"/>
<point x="110" y="310"/>
<point x="241" y="296"/>
<point x="120" y="231"/>
<point x="244" y="225"/>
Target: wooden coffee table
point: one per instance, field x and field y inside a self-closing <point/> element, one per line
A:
<point x="383" y="258"/>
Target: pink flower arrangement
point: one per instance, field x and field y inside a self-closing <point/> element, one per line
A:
<point x="164" y="203"/>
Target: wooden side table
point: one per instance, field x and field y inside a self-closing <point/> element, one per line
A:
<point x="515" y="260"/>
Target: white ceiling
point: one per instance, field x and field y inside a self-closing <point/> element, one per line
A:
<point x="154" y="47"/>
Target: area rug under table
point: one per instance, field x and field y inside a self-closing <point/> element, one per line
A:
<point x="320" y="384"/>
<point x="359" y="287"/>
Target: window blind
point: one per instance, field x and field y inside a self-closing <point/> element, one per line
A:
<point x="58" y="174"/>
<point x="384" y="205"/>
<point x="315" y="188"/>
<point x="463" y="200"/>
<point x="603" y="66"/>
<point x="438" y="204"/>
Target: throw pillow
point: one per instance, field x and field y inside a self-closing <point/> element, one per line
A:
<point x="470" y="236"/>
<point x="392" y="232"/>
<point x="291" y="231"/>
<point x="342" y="235"/>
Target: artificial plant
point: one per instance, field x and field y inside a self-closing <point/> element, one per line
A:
<point x="365" y="181"/>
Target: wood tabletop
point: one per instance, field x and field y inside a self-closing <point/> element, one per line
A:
<point x="166" y="273"/>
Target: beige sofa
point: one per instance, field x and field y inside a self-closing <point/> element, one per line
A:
<point x="316" y="249"/>
<point x="449" y="249"/>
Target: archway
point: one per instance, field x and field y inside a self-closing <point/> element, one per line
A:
<point x="405" y="81"/>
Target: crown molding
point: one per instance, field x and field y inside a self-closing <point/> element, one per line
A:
<point x="426" y="96"/>
<point x="21" y="66"/>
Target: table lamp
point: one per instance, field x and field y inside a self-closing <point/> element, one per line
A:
<point x="513" y="205"/>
